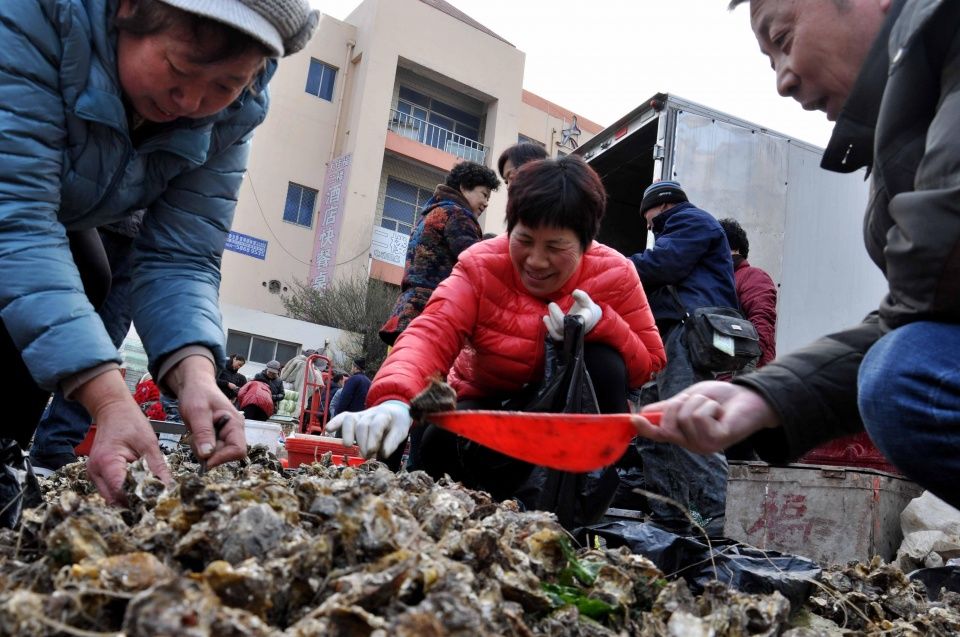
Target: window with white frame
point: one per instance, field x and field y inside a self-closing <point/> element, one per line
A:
<point x="260" y="349"/>
<point x="401" y="204"/>
<point x="300" y="204"/>
<point x="320" y="80"/>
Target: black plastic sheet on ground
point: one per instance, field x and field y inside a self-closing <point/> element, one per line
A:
<point x="938" y="578"/>
<point x="742" y="567"/>
<point x="18" y="485"/>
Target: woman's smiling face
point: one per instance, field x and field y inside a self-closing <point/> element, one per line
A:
<point x="544" y="257"/>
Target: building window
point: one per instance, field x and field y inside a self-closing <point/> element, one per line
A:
<point x="402" y="203"/>
<point x="444" y="116"/>
<point x="259" y="349"/>
<point x="320" y="80"/>
<point x="523" y="139"/>
<point x="299" y="206"/>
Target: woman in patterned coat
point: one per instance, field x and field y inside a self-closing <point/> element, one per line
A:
<point x="448" y="225"/>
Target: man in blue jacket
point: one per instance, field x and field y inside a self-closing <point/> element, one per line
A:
<point x="691" y="255"/>
<point x="688" y="267"/>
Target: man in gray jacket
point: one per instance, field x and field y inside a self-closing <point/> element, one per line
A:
<point x="888" y="72"/>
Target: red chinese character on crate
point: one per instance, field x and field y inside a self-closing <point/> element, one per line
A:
<point x="784" y="519"/>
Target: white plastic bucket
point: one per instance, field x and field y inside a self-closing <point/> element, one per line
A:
<point x="169" y="442"/>
<point x="263" y="433"/>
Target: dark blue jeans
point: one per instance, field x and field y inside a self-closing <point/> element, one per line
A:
<point x="909" y="398"/>
<point x="65" y="422"/>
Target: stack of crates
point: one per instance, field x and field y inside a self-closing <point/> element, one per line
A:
<point x="306" y="449"/>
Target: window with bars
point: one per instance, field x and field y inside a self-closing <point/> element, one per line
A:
<point x="300" y="204"/>
<point x="402" y="203"/>
<point x="435" y="112"/>
<point x="320" y="80"/>
<point x="260" y="349"/>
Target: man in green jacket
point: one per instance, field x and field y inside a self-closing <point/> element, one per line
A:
<point x="888" y="72"/>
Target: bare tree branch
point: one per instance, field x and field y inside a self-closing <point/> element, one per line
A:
<point x="357" y="304"/>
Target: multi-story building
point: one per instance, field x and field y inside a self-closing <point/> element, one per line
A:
<point x="363" y="124"/>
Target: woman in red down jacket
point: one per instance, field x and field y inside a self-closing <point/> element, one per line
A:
<point x="485" y="326"/>
<point x="255" y="400"/>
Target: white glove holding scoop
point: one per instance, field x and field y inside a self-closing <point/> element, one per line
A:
<point x="377" y="431"/>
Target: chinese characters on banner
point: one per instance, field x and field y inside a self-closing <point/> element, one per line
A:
<point x="330" y="221"/>
<point x="245" y="244"/>
<point x="389" y="246"/>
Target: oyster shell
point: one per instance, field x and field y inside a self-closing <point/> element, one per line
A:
<point x="250" y="550"/>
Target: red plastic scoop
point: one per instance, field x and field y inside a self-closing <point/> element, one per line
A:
<point x="569" y="442"/>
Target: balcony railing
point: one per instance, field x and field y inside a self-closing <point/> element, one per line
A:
<point x="432" y="135"/>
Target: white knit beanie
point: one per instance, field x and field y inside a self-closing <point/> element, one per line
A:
<point x="284" y="26"/>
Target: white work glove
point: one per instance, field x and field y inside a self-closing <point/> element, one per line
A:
<point x="584" y="307"/>
<point x="554" y="321"/>
<point x="378" y="430"/>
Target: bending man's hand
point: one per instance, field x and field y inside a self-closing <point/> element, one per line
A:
<point x="202" y="404"/>
<point x="708" y="417"/>
<point x="378" y="430"/>
<point x="123" y="435"/>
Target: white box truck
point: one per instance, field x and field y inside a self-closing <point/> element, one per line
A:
<point x="804" y="223"/>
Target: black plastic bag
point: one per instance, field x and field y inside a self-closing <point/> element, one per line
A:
<point x="18" y="486"/>
<point x="741" y="567"/>
<point x="937" y="578"/>
<point x="578" y="499"/>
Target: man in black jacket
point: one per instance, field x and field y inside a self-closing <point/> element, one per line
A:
<point x="230" y="380"/>
<point x="888" y="72"/>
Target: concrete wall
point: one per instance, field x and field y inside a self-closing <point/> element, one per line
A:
<point x="292" y="145"/>
<point x="544" y="121"/>
<point x="424" y="40"/>
<point x="379" y="41"/>
<point x="307" y="335"/>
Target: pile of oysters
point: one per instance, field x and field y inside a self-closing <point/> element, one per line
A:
<point x="252" y="550"/>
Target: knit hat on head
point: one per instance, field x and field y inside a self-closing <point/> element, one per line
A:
<point x="662" y="192"/>
<point x="283" y="26"/>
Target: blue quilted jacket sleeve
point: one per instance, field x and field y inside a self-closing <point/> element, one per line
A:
<point x="42" y="302"/>
<point x="176" y="274"/>
<point x="678" y="249"/>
